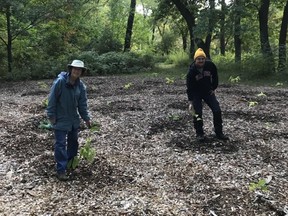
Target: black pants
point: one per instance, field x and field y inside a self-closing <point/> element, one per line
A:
<point x="213" y="104"/>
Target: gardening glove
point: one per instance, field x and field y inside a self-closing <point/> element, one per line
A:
<point x="88" y="124"/>
<point x="190" y="107"/>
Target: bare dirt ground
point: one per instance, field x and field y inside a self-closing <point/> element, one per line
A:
<point x="148" y="161"/>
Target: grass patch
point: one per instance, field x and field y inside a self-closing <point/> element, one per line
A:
<point x="163" y="70"/>
<point x="224" y="72"/>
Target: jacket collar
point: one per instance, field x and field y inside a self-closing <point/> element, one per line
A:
<point x="68" y="84"/>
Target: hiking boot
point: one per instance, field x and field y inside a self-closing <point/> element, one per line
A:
<point x="221" y="136"/>
<point x="62" y="176"/>
<point x="200" y="137"/>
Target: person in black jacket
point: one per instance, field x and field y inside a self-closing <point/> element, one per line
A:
<point x="202" y="81"/>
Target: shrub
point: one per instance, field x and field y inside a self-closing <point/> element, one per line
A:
<point x="116" y="63"/>
<point x="107" y="42"/>
<point x="252" y="67"/>
<point x="167" y="43"/>
<point x="90" y="59"/>
<point x="179" y="58"/>
<point x="255" y="66"/>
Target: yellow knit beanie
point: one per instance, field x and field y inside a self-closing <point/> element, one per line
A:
<point x="199" y="52"/>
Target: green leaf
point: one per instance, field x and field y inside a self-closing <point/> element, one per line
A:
<point x="253" y="103"/>
<point x="45" y="125"/>
<point x="174" y="117"/>
<point x="42" y="85"/>
<point x="154" y="74"/>
<point x="260" y="185"/>
<point x="169" y="80"/>
<point x="76" y="162"/>
<point x="261" y="95"/>
<point x="234" y="79"/>
<point x="128" y="85"/>
<point x="88" y="142"/>
<point x="279" y="84"/>
<point x="45" y="103"/>
<point x="73" y="163"/>
<point x="95" y="127"/>
<point x="252" y="186"/>
<point x="82" y="152"/>
<point x="69" y="164"/>
<point x="90" y="155"/>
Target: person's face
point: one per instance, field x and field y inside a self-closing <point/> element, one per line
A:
<point x="76" y="72"/>
<point x="199" y="61"/>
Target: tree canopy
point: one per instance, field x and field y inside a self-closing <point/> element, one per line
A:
<point x="39" y="37"/>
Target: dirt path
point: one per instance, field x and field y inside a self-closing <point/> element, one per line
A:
<point x="147" y="160"/>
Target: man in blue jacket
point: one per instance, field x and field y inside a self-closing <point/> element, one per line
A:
<point x="202" y="81"/>
<point x="67" y="100"/>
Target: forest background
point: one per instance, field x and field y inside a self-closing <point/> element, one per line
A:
<point x="245" y="38"/>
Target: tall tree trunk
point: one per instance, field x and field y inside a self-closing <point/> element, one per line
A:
<point x="9" y="39"/>
<point x="190" y="20"/>
<point x="222" y="27"/>
<point x="127" y="44"/>
<point x="264" y="35"/>
<point x="153" y="34"/>
<point x="237" y="32"/>
<point x="211" y="24"/>
<point x="184" y="38"/>
<point x="282" y="64"/>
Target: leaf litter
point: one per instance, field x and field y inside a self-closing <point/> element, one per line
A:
<point x="147" y="159"/>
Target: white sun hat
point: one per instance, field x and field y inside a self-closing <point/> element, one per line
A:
<point x="78" y="64"/>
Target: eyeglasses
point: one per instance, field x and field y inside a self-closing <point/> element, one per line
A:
<point x="200" y="59"/>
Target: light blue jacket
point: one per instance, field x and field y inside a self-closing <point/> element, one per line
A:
<point x="66" y="102"/>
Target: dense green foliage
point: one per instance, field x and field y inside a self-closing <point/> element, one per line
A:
<point x="116" y="62"/>
<point x="42" y="37"/>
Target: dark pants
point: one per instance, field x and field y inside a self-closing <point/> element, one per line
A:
<point x="66" y="147"/>
<point x="213" y="104"/>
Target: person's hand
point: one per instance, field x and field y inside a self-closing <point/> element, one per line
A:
<point x="88" y="124"/>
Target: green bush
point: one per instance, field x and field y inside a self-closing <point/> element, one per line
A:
<point x="107" y="42"/>
<point x="116" y="62"/>
<point x="252" y="67"/>
<point x="179" y="58"/>
<point x="255" y="66"/>
<point x="90" y="59"/>
<point x="227" y="68"/>
<point x="166" y="44"/>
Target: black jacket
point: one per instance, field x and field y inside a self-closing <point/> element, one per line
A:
<point x="201" y="83"/>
